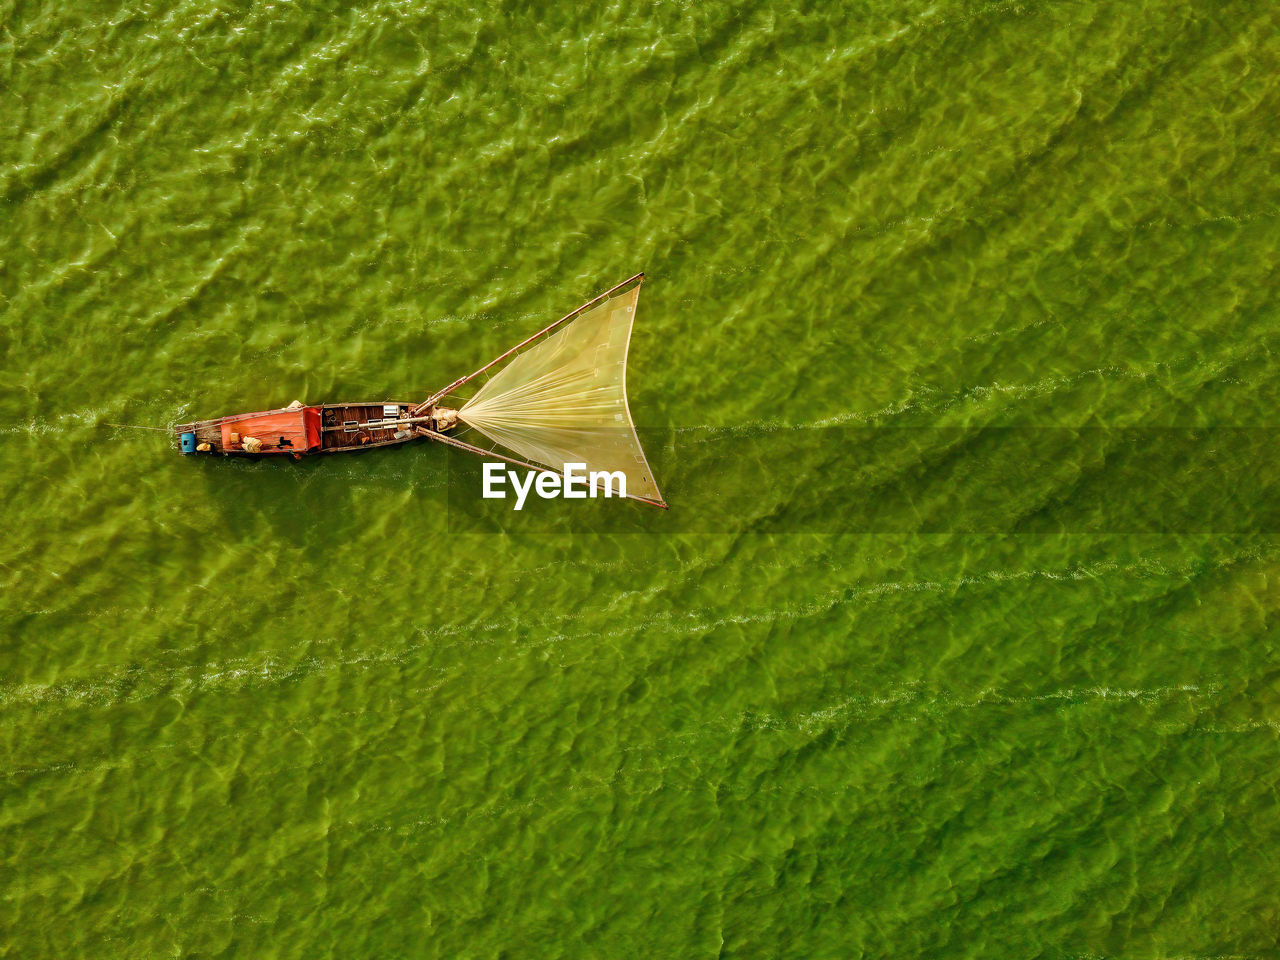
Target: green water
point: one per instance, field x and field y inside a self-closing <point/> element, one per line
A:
<point x="300" y="710"/>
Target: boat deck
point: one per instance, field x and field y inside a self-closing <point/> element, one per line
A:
<point x="207" y="431"/>
<point x="336" y="418"/>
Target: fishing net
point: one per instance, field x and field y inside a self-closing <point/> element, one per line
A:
<point x="564" y="399"/>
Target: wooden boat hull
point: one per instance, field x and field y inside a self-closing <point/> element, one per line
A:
<point x="300" y="430"/>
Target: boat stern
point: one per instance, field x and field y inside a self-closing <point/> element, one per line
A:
<point x="200" y="436"/>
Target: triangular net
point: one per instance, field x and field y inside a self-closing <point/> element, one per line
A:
<point x="564" y="399"/>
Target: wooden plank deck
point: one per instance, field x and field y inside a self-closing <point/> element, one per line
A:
<point x="332" y="418"/>
<point x="208" y="431"/>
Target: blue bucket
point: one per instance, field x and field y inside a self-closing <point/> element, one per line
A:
<point x="188" y="443"/>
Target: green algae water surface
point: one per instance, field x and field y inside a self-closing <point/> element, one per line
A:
<point x="279" y="710"/>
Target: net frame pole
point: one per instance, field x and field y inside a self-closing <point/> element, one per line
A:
<point x="462" y="381"/>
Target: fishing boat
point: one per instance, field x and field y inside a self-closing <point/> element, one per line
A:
<point x="558" y="397"/>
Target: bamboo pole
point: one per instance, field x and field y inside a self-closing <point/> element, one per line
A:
<point x="547" y="329"/>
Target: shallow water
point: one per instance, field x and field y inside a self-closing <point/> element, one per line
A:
<point x="877" y="685"/>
